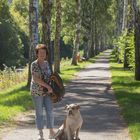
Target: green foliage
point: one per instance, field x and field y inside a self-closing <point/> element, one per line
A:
<point x="122" y="42"/>
<point x="131" y="50"/>
<point x="10" y="42"/>
<point x="19" y="11"/>
<point x="68" y="20"/>
<point x="127" y="91"/>
<point x="102" y="13"/>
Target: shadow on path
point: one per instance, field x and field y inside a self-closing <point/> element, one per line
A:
<point x="92" y="91"/>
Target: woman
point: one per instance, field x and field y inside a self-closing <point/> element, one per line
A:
<point x="40" y="72"/>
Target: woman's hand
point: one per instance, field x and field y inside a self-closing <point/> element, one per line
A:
<point x="50" y="90"/>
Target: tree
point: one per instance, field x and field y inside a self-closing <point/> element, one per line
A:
<point x="68" y="21"/>
<point x="97" y="26"/>
<point x="33" y="31"/>
<point x="119" y="19"/>
<point x="10" y="43"/>
<point x="46" y="27"/>
<point x="124" y="28"/>
<point x="77" y="36"/>
<point x="57" y="37"/>
<point x="20" y="13"/>
<point x="137" y="39"/>
<point x="125" y="8"/>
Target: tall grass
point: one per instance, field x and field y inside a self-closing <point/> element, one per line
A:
<point x="14" y="96"/>
<point x="10" y="77"/>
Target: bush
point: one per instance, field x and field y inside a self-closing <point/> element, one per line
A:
<point x="125" y="43"/>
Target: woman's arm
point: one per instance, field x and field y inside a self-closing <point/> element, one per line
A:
<point x="39" y="81"/>
<point x="42" y="83"/>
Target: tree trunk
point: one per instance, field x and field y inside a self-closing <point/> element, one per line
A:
<point x="119" y="17"/>
<point x="137" y="40"/>
<point x="119" y="24"/>
<point x="77" y="37"/>
<point x="57" y="37"/>
<point x="91" y="42"/>
<point x="33" y="31"/>
<point x="91" y="50"/>
<point x="46" y="28"/>
<point x="85" y="44"/>
<point x="124" y="26"/>
<point x="102" y="40"/>
<point x="131" y="17"/>
<point x="95" y="37"/>
<point x="124" y="21"/>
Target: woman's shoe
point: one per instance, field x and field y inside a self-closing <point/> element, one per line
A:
<point x="40" y="135"/>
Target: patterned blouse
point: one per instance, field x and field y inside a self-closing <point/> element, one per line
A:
<point x="44" y="70"/>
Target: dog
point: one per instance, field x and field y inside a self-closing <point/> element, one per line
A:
<point x="69" y="130"/>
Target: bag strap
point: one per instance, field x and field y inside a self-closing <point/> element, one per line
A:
<point x="40" y="70"/>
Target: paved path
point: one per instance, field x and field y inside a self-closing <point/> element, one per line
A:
<point x="92" y="90"/>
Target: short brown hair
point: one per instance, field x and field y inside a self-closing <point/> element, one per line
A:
<point x="41" y="46"/>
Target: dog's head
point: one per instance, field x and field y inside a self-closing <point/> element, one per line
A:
<point x="72" y="109"/>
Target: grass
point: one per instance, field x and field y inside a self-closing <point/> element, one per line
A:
<point x="13" y="101"/>
<point x="17" y="99"/>
<point x="127" y="91"/>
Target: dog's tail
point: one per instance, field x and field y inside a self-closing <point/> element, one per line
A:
<point x="59" y="132"/>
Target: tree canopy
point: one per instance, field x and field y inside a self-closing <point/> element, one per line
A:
<point x="98" y="25"/>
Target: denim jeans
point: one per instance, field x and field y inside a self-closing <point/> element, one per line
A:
<point x="41" y="102"/>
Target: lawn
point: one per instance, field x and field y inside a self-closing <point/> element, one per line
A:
<point x="13" y="101"/>
<point x="127" y="91"/>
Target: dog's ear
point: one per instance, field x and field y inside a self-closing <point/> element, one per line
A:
<point x="66" y="107"/>
<point x="78" y="106"/>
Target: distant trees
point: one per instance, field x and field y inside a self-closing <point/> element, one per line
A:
<point x="98" y="25"/>
<point x="10" y="42"/>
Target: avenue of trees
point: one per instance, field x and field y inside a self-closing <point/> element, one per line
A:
<point x="66" y="26"/>
<point x="127" y="35"/>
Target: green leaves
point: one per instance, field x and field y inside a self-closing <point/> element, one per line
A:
<point x="126" y="41"/>
<point x="10" y="41"/>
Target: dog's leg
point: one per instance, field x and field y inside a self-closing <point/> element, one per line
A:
<point x="69" y="135"/>
<point x="77" y="134"/>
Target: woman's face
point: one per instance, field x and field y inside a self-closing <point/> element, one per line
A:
<point x="41" y="54"/>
